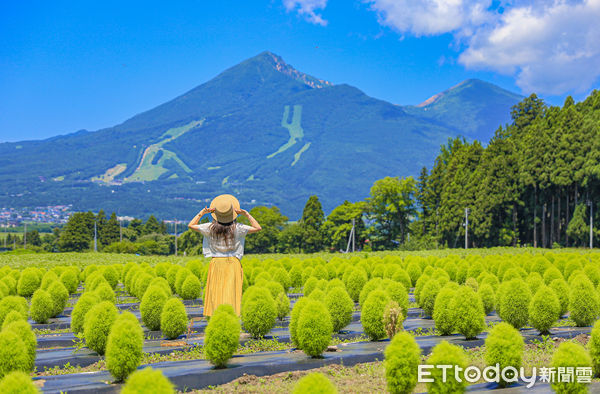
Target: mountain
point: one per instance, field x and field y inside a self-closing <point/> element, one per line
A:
<point x="261" y="130"/>
<point x="474" y="108"/>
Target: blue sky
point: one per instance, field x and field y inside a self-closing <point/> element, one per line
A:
<point x="66" y="66"/>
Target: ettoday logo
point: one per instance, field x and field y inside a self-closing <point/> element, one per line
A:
<point x="494" y="374"/>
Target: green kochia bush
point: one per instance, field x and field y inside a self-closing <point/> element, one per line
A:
<point x="504" y="346"/>
<point x="570" y="354"/>
<point x="561" y="290"/>
<point x="443" y="312"/>
<point x="402" y="357"/>
<point x="469" y="313"/>
<point x="446" y="354"/>
<point x="13" y="303"/>
<point x="583" y="301"/>
<point x="515" y="303"/>
<point x="13" y="353"/>
<point x="59" y="295"/>
<point x="373" y="284"/>
<point x="191" y="288"/>
<point x="314" y="382"/>
<point x="486" y="292"/>
<point x="28" y="282"/>
<point x="427" y="297"/>
<point x="222" y="335"/>
<point x="17" y="382"/>
<point x="372" y="314"/>
<point x="148" y="380"/>
<point x="300" y="303"/>
<point x="97" y="324"/>
<point x="544" y="309"/>
<point x="283" y="305"/>
<point x="173" y="319"/>
<point x="124" y="346"/>
<point x="314" y="328"/>
<point x="106" y="293"/>
<point x="70" y="280"/>
<point x="259" y="311"/>
<point x="151" y="307"/>
<point x="83" y="305"/>
<point x="13" y="316"/>
<point x="41" y="306"/>
<point x="340" y="307"/>
<point x="22" y="329"/>
<point x="356" y="281"/>
<point x="594" y="346"/>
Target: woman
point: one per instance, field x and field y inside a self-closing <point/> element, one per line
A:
<point x="224" y="242"/>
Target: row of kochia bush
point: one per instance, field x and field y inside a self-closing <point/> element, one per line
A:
<point x="504" y="347"/>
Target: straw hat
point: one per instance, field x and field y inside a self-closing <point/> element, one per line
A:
<point x="225" y="206"/>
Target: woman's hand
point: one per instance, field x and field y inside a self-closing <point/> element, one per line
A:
<point x="207" y="210"/>
<point x="242" y="212"/>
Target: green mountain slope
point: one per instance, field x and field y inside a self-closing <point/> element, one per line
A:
<point x="261" y="130"/>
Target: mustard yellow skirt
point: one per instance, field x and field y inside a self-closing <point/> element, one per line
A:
<point x="223" y="284"/>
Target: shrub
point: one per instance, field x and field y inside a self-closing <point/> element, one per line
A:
<point x="60" y="297"/>
<point x="534" y="281"/>
<point x="583" y="302"/>
<point x="504" y="346"/>
<point x="398" y="293"/>
<point x="28" y="282"/>
<point x="105" y="293"/>
<point x="97" y="323"/>
<point x="70" y="280"/>
<point x="593" y="274"/>
<point x="11" y="284"/>
<point x="310" y="285"/>
<point x="275" y="288"/>
<point x="469" y="313"/>
<point x="191" y="288"/>
<point x="335" y="283"/>
<point x="41" y="306"/>
<point x="317" y="294"/>
<point x="551" y="274"/>
<point x="486" y="292"/>
<point x="594" y="346"/>
<point x="282" y="277"/>
<point x="173" y="319"/>
<point x="283" y="305"/>
<point x="314" y="328"/>
<point x="83" y="305"/>
<point x="180" y="278"/>
<point x="356" y="281"/>
<point x="443" y="312"/>
<point x="141" y="284"/>
<point x="573" y="355"/>
<point x="340" y="307"/>
<point x="372" y="314"/>
<point x="124" y="346"/>
<point x="13" y="353"/>
<point x="13" y="303"/>
<point x="472" y="283"/>
<point x="300" y="303"/>
<point x="296" y="276"/>
<point x="152" y="305"/>
<point x="392" y="318"/>
<point x="414" y="271"/>
<point x="17" y="382"/>
<point x="314" y="382"/>
<point x="163" y="284"/>
<point x="172" y="276"/>
<point x="372" y="284"/>
<point x="222" y="335"/>
<point x="403" y="277"/>
<point x="428" y="294"/>
<point x="446" y="354"/>
<point x="195" y="266"/>
<point x="419" y="287"/>
<point x="13" y="316"/>
<point x="544" y="309"/>
<point x="22" y="329"/>
<point x="111" y="276"/>
<point x="515" y="303"/>
<point x="148" y="380"/>
<point x="402" y="358"/>
<point x="47" y="280"/>
<point x="258" y="312"/>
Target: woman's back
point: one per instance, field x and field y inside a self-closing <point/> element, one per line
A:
<point x="213" y="246"/>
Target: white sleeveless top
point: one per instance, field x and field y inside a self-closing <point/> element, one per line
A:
<point x="217" y="248"/>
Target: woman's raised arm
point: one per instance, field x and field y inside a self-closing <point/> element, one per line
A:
<point x="253" y="223"/>
<point x="196" y="219"/>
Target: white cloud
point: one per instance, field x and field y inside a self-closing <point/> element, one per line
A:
<point x="550" y="47"/>
<point x="307" y="9"/>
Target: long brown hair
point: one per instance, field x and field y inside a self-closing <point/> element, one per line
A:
<point x="223" y="231"/>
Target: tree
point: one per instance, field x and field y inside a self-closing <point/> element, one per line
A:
<point x="136" y="225"/>
<point x="272" y="221"/>
<point x="291" y="239"/>
<point x="391" y="206"/>
<point x="151" y="226"/>
<point x="33" y="238"/>
<point x="110" y="231"/>
<point x="578" y="228"/>
<point x="76" y="235"/>
<point x="339" y="224"/>
<point x="311" y="223"/>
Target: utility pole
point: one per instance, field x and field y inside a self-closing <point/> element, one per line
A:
<point x="175" y="237"/>
<point x="120" y="230"/>
<point x="350" y="238"/>
<point x="95" y="237"/>
<point x="25" y="236"/>
<point x="353" y="235"/>
<point x="591" y="223"/>
<point x="466" y="228"/>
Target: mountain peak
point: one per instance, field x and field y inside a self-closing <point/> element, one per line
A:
<point x="281" y="66"/>
<point x="473" y="84"/>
